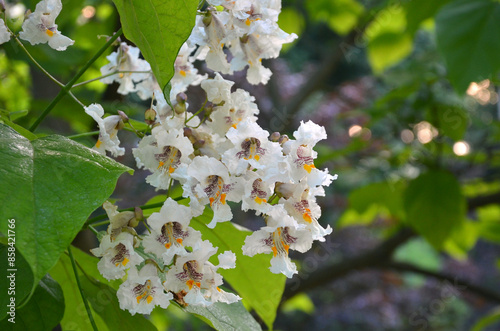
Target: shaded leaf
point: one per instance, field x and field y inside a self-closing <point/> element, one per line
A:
<point x="50" y="186"/>
<point x="434" y="206"/>
<point x="467" y="38"/>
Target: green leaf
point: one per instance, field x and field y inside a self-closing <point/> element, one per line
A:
<point x="467" y="37"/>
<point x="388" y="41"/>
<point x="452" y="121"/>
<point x="224" y="317"/>
<point x="434" y="206"/>
<point x="158" y="28"/>
<point x="489" y="222"/>
<point x="100" y="293"/>
<point x="463" y="238"/>
<point x="43" y="311"/>
<point x="491" y="318"/>
<point x="259" y="288"/>
<point x="50" y="186"/>
<point x="340" y="15"/>
<point x="418" y="11"/>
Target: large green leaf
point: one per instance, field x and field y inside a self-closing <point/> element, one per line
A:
<point x="467" y="35"/>
<point x="42" y="312"/>
<point x="435" y="206"/>
<point x="259" y="288"/>
<point x="224" y="317"/>
<point x="418" y="11"/>
<point x="340" y="15"/>
<point x="50" y="186"/>
<point x="24" y="278"/>
<point x="158" y="28"/>
<point x="100" y="293"/>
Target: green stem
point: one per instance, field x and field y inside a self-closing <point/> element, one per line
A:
<point x="111" y="74"/>
<point x="89" y="313"/>
<point x="34" y="61"/>
<point x="72" y="82"/>
<point x="81" y="135"/>
<point x="91" y="228"/>
<point x="199" y="111"/>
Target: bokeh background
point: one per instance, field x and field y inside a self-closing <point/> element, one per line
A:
<point x="408" y="93"/>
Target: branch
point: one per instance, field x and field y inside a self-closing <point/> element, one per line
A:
<point x="457" y="282"/>
<point x="376" y="257"/>
<point x="483" y="200"/>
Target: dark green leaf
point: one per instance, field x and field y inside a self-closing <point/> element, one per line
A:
<point x="259" y="288"/>
<point x="435" y="206"/>
<point x="24" y="278"/>
<point x="43" y="311"/>
<point x="158" y="28"/>
<point x="467" y="35"/>
<point x="418" y="11"/>
<point x="50" y="186"/>
<point x="452" y="121"/>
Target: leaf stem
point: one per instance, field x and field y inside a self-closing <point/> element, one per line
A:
<point x="89" y="313"/>
<point x="81" y="135"/>
<point x="111" y="74"/>
<point x="33" y="59"/>
<point x="65" y="89"/>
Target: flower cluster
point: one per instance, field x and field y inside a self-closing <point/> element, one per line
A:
<point x="218" y="157"/>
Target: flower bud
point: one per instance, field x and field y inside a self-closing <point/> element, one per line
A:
<point x="207" y="19"/>
<point x="283" y="139"/>
<point x="199" y="144"/>
<point x="275" y="136"/>
<point x="181" y="98"/>
<point x="149" y="116"/>
<point x="123" y="116"/>
<point x="2" y="6"/>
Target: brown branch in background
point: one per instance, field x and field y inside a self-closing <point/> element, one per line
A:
<point x="456" y="282"/>
<point x="377" y="256"/>
<point x="380" y="258"/>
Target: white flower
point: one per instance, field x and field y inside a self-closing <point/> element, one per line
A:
<point x="215" y="186"/>
<point x="163" y="153"/>
<point x="117" y="255"/>
<point x="218" y="89"/>
<point x="126" y="58"/>
<point x="305" y="210"/>
<point x="257" y="193"/>
<point x="4" y="33"/>
<point x="143" y="291"/>
<point x="40" y="26"/>
<point x="240" y="106"/>
<point x="108" y="129"/>
<point x="281" y="234"/>
<point x="185" y="73"/>
<point x="253" y="149"/>
<point x="171" y="232"/>
<point x="301" y="155"/>
<point x="198" y="278"/>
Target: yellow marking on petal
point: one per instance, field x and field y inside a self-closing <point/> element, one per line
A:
<point x="190" y="283"/>
<point x="198" y="284"/>
<point x="183" y="73"/>
<point x="286" y="248"/>
<point x="222" y="45"/>
<point x="139" y="298"/>
<point x="275" y="251"/>
<point x="49" y="33"/>
<point x="223" y="198"/>
<point x="257" y="157"/>
<point x="161" y="164"/>
<point x="259" y="200"/>
<point x="125" y="261"/>
<point x="167" y="245"/>
<point x="98" y="143"/>
<point x="171" y="169"/>
<point x="211" y="201"/>
<point x="179" y="240"/>
<point x="309" y="167"/>
<point x="234" y="125"/>
<point x="307" y="218"/>
<point x="250" y="63"/>
<point x="117" y="264"/>
<point x="121" y="75"/>
<point x="218" y="289"/>
<point x="149" y="299"/>
<point x="248" y="22"/>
